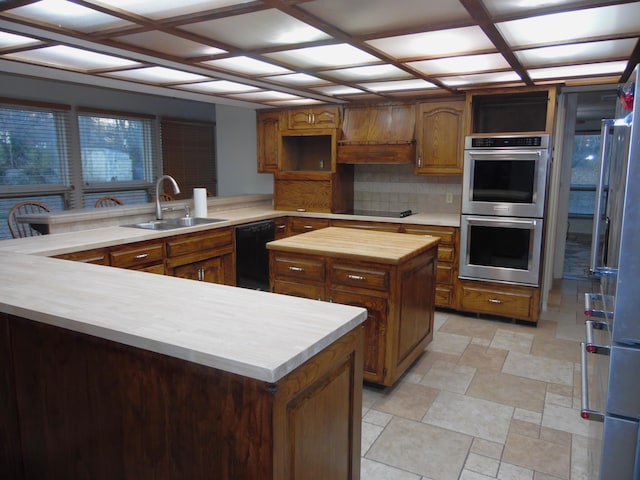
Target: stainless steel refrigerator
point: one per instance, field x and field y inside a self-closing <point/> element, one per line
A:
<point x="611" y="351"/>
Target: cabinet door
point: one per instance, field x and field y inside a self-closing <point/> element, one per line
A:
<point x="98" y="256"/>
<point x="147" y="256"/>
<point x="319" y="117"/>
<point x="439" y="136"/>
<point x="210" y="270"/>
<point x="375" y="330"/>
<point x="268" y="131"/>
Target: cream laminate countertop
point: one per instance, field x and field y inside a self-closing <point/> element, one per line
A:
<point x="256" y="334"/>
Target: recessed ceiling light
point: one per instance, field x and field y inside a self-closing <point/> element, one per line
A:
<point x="398" y="85"/>
<point x="481" y="78"/>
<point x="324" y="56"/>
<point x="157" y="75"/>
<point x="247" y="65"/>
<point x="464" y="64"/>
<point x="453" y="41"/>
<point x="219" y="86"/>
<point x="606" y="68"/>
<point x="297" y="79"/>
<point x="576" y="52"/>
<point x="371" y="72"/>
<point x="337" y="90"/>
<point x="71" y="58"/>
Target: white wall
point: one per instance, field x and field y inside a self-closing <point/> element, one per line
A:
<point x="237" y="153"/>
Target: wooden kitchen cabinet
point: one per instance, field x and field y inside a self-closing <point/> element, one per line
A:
<point x="268" y="134"/>
<point x="147" y="256"/>
<point x="281" y="227"/>
<point x="97" y="256"/>
<point x="206" y="256"/>
<point x="398" y="294"/>
<point x="447" y="274"/>
<point x="145" y="415"/>
<point x="378" y="133"/>
<point x="315" y="117"/>
<point x="365" y="225"/>
<point x="440" y="137"/>
<point x="314" y="192"/>
<point x="305" y="224"/>
<point x="513" y="301"/>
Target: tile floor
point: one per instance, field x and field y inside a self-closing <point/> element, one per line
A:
<point x="488" y="399"/>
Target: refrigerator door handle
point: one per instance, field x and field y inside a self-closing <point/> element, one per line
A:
<point x="585" y="411"/>
<point x="594" y="263"/>
<point x="590" y="345"/>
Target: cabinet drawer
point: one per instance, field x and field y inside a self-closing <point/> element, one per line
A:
<point x="199" y="242"/>
<point x="517" y="304"/>
<point x="305" y="269"/>
<point x="444" y="296"/>
<point x="358" y="276"/>
<point x="302" y="225"/>
<point x="297" y="289"/>
<point x="365" y="225"/>
<point x="98" y="256"/>
<point x="444" y="274"/>
<point x="447" y="234"/>
<point x="134" y="255"/>
<point x="446" y="254"/>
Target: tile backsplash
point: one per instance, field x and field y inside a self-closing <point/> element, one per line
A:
<point x="395" y="188"/>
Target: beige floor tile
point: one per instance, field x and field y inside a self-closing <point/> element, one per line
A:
<point x="487" y="448"/>
<point x="449" y="376"/>
<point x="514" y="472"/>
<point x="407" y="400"/>
<point x="429" y="357"/>
<point x="433" y="452"/>
<point x="472" y="327"/>
<point x="514" y="341"/>
<point x="538" y="455"/>
<point x="371" y="470"/>
<point x="481" y="464"/>
<point x="483" y="358"/>
<point x="449" y="343"/>
<point x="370" y="434"/>
<point x="525" y="429"/>
<point x="539" y="368"/>
<point x="565" y="419"/>
<point x="509" y="390"/>
<point x="472" y="416"/>
<point x="560" y="349"/>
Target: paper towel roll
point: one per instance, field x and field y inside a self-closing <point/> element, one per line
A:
<point x="200" y="202"/>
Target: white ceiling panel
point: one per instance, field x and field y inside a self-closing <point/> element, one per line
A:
<point x="576" y="52"/>
<point x="169" y="44"/>
<point x="461" y="65"/>
<point x="266" y="28"/>
<point x="159" y="9"/>
<point x="363" y="17"/>
<point x="70" y="58"/>
<point x="341" y="55"/>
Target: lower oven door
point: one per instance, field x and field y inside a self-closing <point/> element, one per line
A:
<point x="502" y="249"/>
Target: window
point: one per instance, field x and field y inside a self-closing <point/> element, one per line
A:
<point x="117" y="154"/>
<point x="584" y="174"/>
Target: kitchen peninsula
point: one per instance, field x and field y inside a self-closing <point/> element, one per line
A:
<point x="113" y="373"/>
<point x="392" y="275"/>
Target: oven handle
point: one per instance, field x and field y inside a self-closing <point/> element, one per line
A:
<point x="496" y="221"/>
<point x="585" y="411"/>
<point x="510" y="153"/>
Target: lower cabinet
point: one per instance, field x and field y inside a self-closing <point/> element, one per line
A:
<point x="143" y="415"/>
<point x="205" y="256"/>
<point x="399" y="300"/>
<point x="512" y="301"/>
<point x="97" y="256"/>
<point x="147" y="256"/>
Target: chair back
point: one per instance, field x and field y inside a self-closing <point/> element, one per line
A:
<point x="108" y="201"/>
<point x="166" y="197"/>
<point x="20" y="230"/>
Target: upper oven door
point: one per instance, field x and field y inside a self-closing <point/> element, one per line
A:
<point x="505" y="182"/>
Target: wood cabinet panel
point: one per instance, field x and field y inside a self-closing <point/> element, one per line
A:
<point x="316" y="117"/>
<point x="97" y="256"/>
<point x="360" y="276"/>
<point x="499" y="299"/>
<point x="199" y="242"/>
<point x="268" y="134"/>
<point x="439" y="138"/>
<point x="139" y="255"/>
<point x="306" y="224"/>
<point x="365" y="225"/>
<point x="144" y="415"/>
<point x="298" y="289"/>
<point x="282" y="227"/>
<point x="298" y="267"/>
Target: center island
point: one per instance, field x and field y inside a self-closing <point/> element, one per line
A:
<point x="392" y="275"/>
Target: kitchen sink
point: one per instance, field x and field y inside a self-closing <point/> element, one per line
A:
<point x="171" y="223"/>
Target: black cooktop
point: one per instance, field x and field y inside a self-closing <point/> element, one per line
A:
<point x="376" y="213"/>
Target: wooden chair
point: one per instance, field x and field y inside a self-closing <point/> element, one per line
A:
<point x="166" y="197"/>
<point x="108" y="201"/>
<point x="21" y="230"/>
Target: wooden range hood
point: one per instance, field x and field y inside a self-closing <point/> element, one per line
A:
<point x="378" y="134"/>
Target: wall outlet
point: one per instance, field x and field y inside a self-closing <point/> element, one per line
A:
<point x="449" y="197"/>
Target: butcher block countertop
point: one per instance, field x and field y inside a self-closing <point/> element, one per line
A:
<point x="380" y="247"/>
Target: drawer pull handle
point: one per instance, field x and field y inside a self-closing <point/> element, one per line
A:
<point x="296" y="269"/>
<point x="141" y="256"/>
<point x="308" y="227"/>
<point x="356" y="277"/>
<point x="495" y="300"/>
<point x="281" y="227"/>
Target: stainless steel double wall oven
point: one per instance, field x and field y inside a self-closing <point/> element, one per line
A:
<point x="503" y="204"/>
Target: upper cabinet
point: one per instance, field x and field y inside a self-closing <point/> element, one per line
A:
<point x="381" y="133"/>
<point x="523" y="110"/>
<point x="268" y="145"/>
<point x="439" y="137"/>
<point x="316" y="117"/>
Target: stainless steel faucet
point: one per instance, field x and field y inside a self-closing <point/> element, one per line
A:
<point x="176" y="190"/>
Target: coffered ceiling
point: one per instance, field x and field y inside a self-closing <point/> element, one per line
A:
<point x="273" y="53"/>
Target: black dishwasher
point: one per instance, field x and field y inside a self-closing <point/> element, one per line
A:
<point x="252" y="256"/>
